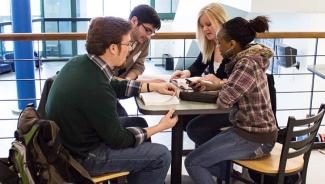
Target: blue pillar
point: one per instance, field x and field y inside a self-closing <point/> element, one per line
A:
<point x="22" y="23"/>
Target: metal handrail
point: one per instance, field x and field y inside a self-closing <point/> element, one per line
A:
<point x="162" y="35"/>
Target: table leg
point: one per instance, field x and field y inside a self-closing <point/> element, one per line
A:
<point x="177" y="147"/>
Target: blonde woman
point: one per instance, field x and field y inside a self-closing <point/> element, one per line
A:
<point x="209" y="62"/>
<point x="210" y="65"/>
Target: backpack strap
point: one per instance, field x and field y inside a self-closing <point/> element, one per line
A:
<point x="77" y="166"/>
<point x="44" y="95"/>
<point x="7" y="174"/>
<point x="51" y="140"/>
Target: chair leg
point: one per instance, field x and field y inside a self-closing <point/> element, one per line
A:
<point x="229" y="170"/>
<point x="219" y="181"/>
<point x="302" y="176"/>
<point x="240" y="177"/>
<point x="120" y="180"/>
<point x="262" y="178"/>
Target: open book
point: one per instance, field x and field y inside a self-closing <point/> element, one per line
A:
<point x="154" y="98"/>
<point x="182" y="83"/>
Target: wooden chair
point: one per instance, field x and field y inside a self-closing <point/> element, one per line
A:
<point x="110" y="176"/>
<point x="292" y="157"/>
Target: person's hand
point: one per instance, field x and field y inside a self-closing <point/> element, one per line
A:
<point x="212" y="78"/>
<point x="169" y="120"/>
<point x="164" y="88"/>
<point x="166" y="122"/>
<point x="202" y="85"/>
<point x="181" y="74"/>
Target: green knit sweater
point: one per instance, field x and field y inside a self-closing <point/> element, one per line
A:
<point x="83" y="103"/>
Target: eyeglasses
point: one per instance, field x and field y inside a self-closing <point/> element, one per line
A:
<point x="148" y="30"/>
<point x="129" y="44"/>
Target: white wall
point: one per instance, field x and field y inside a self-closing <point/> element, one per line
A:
<point x="288" y="6"/>
<point x="244" y="5"/>
<point x="185" y="21"/>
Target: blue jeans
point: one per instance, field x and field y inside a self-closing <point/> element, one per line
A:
<point x="210" y="159"/>
<point x="147" y="163"/>
<point x="204" y="127"/>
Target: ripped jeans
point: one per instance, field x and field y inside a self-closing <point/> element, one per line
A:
<point x="210" y="159"/>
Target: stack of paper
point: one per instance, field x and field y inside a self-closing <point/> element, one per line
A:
<point x="154" y="98"/>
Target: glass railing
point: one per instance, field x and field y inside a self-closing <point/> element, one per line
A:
<point x="299" y="92"/>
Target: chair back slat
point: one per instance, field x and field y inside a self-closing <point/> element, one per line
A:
<point x="299" y="144"/>
<point x="296" y="153"/>
<point x="306" y="130"/>
<point x="308" y="120"/>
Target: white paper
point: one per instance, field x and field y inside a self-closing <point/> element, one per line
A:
<point x="154" y="98"/>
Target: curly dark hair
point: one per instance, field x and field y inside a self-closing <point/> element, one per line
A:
<point x="104" y="31"/>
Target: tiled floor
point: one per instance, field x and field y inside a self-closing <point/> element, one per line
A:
<point x="8" y="122"/>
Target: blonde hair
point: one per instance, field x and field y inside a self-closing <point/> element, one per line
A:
<point x="216" y="15"/>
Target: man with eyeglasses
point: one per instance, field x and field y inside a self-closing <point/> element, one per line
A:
<point x="145" y="21"/>
<point x="82" y="101"/>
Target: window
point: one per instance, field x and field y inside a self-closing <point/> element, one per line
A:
<point x="165" y="8"/>
<point x="57" y="8"/>
<point x="93" y="8"/>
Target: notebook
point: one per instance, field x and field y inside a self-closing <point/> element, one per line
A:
<point x="154" y="98"/>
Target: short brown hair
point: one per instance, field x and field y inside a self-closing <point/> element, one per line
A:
<point x="146" y="14"/>
<point x="104" y="31"/>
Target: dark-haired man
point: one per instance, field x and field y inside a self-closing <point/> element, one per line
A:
<point x="83" y="98"/>
<point x="145" y="21"/>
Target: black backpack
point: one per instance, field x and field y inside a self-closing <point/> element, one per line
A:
<point x="38" y="155"/>
<point x="7" y="172"/>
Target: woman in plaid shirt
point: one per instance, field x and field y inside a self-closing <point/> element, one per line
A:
<point x="246" y="93"/>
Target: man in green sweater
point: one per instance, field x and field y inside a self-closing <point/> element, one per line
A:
<point x="83" y="98"/>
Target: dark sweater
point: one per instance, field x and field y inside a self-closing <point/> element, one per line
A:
<point x="197" y="68"/>
<point x="83" y="103"/>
